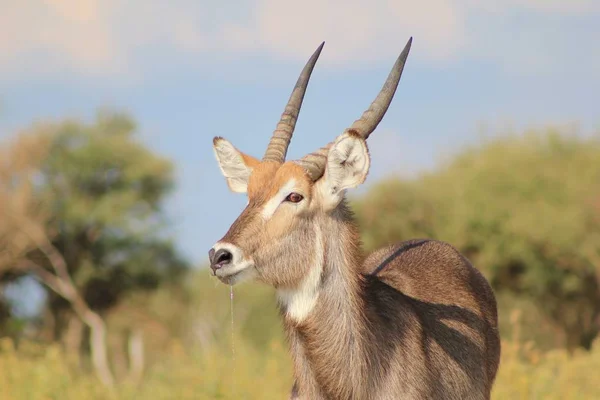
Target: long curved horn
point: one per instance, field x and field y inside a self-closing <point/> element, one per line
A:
<point x="282" y="135"/>
<point x="315" y="162"/>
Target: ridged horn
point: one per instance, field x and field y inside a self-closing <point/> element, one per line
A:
<point x="277" y="149"/>
<point x="315" y="162"/>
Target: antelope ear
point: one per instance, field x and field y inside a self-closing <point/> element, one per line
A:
<point x="235" y="165"/>
<point x="348" y="164"/>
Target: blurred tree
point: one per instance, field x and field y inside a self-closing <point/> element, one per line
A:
<point x="95" y="195"/>
<point x="524" y="209"/>
<point x="26" y="239"/>
<point x="107" y="192"/>
<point x="14" y="192"/>
<point x="5" y="316"/>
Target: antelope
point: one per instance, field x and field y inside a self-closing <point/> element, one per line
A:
<point x="414" y="320"/>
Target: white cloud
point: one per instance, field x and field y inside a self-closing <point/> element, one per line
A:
<point x="573" y="7"/>
<point x="355" y="30"/>
<point x="109" y="36"/>
<point x="56" y="33"/>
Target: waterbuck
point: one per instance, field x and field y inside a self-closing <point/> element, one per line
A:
<point x="413" y="320"/>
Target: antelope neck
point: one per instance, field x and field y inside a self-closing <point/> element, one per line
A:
<point x="334" y="330"/>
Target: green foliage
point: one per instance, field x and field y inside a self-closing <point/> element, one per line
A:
<point x="106" y="191"/>
<point x="100" y="175"/>
<point x="525" y="209"/>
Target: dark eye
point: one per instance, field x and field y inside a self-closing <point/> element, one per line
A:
<point x="294" y="198"/>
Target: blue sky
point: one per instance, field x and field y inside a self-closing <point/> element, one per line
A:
<point x="191" y="70"/>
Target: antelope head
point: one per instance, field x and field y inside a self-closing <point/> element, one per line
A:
<point x="279" y="234"/>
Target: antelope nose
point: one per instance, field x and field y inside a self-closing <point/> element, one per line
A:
<point x="219" y="258"/>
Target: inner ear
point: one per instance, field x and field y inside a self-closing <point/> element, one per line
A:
<point x="235" y="165"/>
<point x="348" y="162"/>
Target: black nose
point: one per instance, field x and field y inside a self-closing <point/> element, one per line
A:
<point x="219" y="258"/>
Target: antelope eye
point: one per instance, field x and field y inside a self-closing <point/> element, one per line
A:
<point x="294" y="198"/>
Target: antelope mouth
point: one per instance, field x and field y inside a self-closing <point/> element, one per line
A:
<point x="232" y="276"/>
<point x="230" y="279"/>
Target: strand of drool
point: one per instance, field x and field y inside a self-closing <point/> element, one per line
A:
<point x="232" y="338"/>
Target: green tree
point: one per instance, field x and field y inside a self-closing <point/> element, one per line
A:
<point x="524" y="209"/>
<point x="106" y="191"/>
<point x="90" y="223"/>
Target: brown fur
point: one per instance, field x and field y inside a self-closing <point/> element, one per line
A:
<point x="423" y="327"/>
<point x="411" y="321"/>
<point x="269" y="243"/>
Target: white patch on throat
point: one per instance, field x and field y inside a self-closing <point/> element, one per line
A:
<point x="299" y="302"/>
<point x="271" y="205"/>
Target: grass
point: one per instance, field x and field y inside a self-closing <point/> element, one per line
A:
<point x="37" y="372"/>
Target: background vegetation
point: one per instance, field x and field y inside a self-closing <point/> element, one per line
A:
<point x="126" y="317"/>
